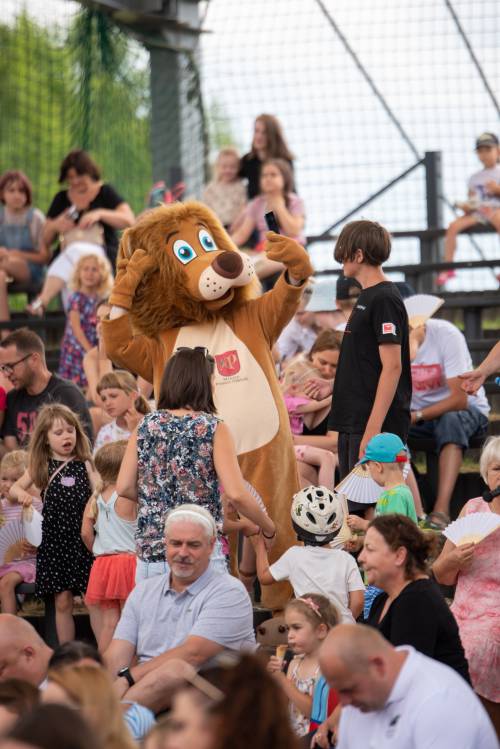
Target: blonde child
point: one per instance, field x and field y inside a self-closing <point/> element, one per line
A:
<point x="91" y="283"/>
<point x="59" y="465"/>
<point x="123" y="403"/>
<point x="226" y="194"/>
<point x="309" y="620"/>
<point x="12" y="467"/>
<point x="108" y="530"/>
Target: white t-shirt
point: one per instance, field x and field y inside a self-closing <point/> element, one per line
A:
<point x="294" y="339"/>
<point x="477" y="185"/>
<point x="430" y="707"/>
<point x="110" y="433"/>
<point x="315" y="569"/>
<point x="442" y="355"/>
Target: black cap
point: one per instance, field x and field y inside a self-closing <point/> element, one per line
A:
<point x="487" y="139"/>
<point x="347" y="288"/>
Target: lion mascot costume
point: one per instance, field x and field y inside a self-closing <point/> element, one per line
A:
<point x="182" y="282"/>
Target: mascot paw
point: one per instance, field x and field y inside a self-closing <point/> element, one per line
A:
<point x="290" y="253"/>
<point x="130" y="273"/>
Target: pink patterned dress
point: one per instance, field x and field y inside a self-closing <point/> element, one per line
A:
<point x="476" y="608"/>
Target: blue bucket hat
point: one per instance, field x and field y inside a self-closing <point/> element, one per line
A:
<point x="385" y="448"/>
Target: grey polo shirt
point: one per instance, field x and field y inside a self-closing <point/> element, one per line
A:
<point x="216" y="606"/>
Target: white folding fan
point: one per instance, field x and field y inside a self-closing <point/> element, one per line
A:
<point x="358" y="486"/>
<point x="472" y="528"/>
<point x="32" y="524"/>
<point x="420" y="307"/>
<point x="12" y="537"/>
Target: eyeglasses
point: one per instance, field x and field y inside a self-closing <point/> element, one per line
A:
<point x="200" y="349"/>
<point x="7" y="369"/>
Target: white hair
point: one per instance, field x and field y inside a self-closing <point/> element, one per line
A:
<point x="490" y="453"/>
<point x="193" y="514"/>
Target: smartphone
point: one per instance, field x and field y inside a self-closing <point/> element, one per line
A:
<point x="272" y="223"/>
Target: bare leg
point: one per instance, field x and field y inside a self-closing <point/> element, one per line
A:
<point x="7" y="592"/>
<point x="65" y="624"/>
<point x="450" y="460"/>
<point x="95" y="616"/>
<point x="4" y="301"/>
<point x="52" y="286"/>
<point x="110" y="618"/>
<point x="417" y="499"/>
<point x="307" y="474"/>
<point x="450" y="240"/>
<point x="326" y="463"/>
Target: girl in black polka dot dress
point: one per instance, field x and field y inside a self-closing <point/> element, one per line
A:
<point x="59" y="465"/>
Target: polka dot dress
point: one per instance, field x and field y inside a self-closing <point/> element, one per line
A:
<point x="63" y="562"/>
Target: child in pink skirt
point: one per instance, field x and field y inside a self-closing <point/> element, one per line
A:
<point x="23" y="570"/>
<point x="108" y="530"/>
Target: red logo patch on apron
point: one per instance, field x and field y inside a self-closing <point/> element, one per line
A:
<point x="228" y="363"/>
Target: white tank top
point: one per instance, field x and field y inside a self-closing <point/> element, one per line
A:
<point x="113" y="535"/>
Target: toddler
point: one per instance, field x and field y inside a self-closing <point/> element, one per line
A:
<point x="91" y="283"/>
<point x="22" y="570"/>
<point x="317" y="517"/>
<point x="226" y="194"/>
<point x="108" y="531"/>
<point x="309" y="620"/>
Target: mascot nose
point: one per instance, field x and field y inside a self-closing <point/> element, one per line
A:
<point x="228" y="264"/>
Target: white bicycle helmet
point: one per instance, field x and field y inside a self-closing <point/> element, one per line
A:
<point x="317" y="514"/>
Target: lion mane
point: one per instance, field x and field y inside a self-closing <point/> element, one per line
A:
<point x="162" y="299"/>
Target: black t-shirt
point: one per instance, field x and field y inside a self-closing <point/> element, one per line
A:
<point x="108" y="198"/>
<point x="22" y="408"/>
<point x="250" y="166"/>
<point x="420" y="617"/>
<point x="379" y="317"/>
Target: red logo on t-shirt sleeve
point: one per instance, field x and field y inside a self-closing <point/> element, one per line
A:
<point x="388" y="328"/>
<point x="228" y="363"/>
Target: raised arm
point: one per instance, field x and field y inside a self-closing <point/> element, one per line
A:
<point x="126" y="483"/>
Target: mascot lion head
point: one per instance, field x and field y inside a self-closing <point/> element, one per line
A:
<point x="199" y="273"/>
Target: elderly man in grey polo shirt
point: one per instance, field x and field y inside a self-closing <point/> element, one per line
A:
<point x="193" y="613"/>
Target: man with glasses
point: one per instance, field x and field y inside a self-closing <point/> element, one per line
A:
<point x="22" y="361"/>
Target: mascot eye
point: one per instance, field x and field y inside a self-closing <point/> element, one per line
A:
<point x="183" y="251"/>
<point x="206" y="241"/>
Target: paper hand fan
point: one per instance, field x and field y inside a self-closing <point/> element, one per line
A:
<point x="420" y="307"/>
<point x="472" y="528"/>
<point x="32" y="523"/>
<point x="358" y="486"/>
<point x="12" y="539"/>
<point x="345" y="533"/>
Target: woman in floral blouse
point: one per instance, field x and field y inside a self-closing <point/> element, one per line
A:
<point x="182" y="453"/>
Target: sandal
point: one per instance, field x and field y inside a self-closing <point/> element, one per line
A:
<point x="36" y="308"/>
<point x="437" y="521"/>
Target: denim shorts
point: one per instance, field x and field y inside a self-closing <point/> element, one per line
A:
<point x="144" y="570"/>
<point x="454" y="427"/>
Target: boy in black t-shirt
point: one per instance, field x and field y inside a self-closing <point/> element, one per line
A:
<point x="372" y="389"/>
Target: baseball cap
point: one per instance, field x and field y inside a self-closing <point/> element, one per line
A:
<point x="347" y="288"/>
<point x="486" y="139"/>
<point x="385" y="448"/>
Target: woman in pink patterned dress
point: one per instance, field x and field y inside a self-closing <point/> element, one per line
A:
<point x="475" y="568"/>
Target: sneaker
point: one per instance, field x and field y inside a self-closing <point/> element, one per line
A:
<point x="444" y="277"/>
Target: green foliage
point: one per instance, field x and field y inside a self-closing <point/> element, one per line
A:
<point x="73" y="88"/>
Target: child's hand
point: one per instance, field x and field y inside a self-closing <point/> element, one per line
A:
<point x="356" y="523"/>
<point x="248" y="528"/>
<point x="24" y="499"/>
<point x="28" y="549"/>
<point x="353" y="545"/>
<point x="318" y="389"/>
<point x="275" y="665"/>
<point x="132" y="418"/>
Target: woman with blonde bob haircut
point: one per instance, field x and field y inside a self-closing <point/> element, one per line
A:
<point x="475" y="569"/>
<point x="89" y="688"/>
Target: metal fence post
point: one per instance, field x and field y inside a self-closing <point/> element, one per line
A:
<point x="430" y="249"/>
<point x="165" y="116"/>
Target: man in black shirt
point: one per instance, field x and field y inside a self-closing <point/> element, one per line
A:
<point x="22" y="360"/>
<point x="372" y="389"/>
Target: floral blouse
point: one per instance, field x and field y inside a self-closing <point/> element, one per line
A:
<point x="175" y="466"/>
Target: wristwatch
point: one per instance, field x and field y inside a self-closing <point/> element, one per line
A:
<point x="419" y="417"/>
<point x="125" y="672"/>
